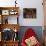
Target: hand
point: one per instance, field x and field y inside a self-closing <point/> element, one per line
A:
<point x="32" y="41"/>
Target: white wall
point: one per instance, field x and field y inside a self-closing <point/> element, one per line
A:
<point x="27" y="4"/>
<point x="33" y="4"/>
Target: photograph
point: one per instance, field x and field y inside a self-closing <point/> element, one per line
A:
<point x="31" y="35"/>
<point x="29" y="12"/>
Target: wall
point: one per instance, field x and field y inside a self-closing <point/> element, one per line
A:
<point x="32" y="4"/>
<point x="27" y="4"/>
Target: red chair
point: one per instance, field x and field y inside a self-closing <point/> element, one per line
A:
<point x="29" y="33"/>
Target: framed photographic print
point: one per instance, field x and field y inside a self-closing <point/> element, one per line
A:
<point x="29" y="12"/>
<point x="5" y="12"/>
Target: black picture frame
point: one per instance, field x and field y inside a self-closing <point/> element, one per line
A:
<point x="29" y="13"/>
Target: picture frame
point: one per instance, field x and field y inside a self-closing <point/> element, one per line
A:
<point x="5" y="12"/>
<point x="29" y="13"/>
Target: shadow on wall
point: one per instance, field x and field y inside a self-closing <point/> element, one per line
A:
<point x="37" y="29"/>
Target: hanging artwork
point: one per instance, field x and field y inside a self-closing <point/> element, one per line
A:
<point x="5" y="12"/>
<point x="29" y="12"/>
